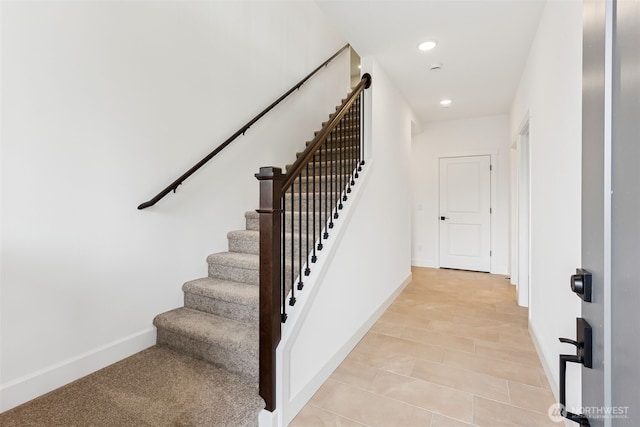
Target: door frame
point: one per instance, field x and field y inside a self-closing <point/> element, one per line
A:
<point x="493" y="189"/>
<point x="520" y="255"/>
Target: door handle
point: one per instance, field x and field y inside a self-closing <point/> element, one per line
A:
<point x="442" y="218"/>
<point x="583" y="344"/>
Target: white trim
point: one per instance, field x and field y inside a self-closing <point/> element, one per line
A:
<point x="548" y="370"/>
<point x="30" y="386"/>
<point x="421" y="262"/>
<point x="608" y="188"/>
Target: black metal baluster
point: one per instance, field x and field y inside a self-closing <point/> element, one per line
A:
<point x="283" y="245"/>
<point x="339" y="160"/>
<point x="307" y="270"/>
<point x="314" y="258"/>
<point x="328" y="195"/>
<point x="292" y="300"/>
<point x="361" y="133"/>
<point x="300" y="284"/>
<point x="334" y="180"/>
<point x="321" y="226"/>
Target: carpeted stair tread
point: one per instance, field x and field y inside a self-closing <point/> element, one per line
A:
<point x="235" y="259"/>
<point x="224" y="290"/>
<point x="233" y="300"/>
<point x="210" y="328"/>
<point x="244" y="241"/>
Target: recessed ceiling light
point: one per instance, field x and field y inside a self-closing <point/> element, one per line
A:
<point x="445" y="102"/>
<point x="427" y="45"/>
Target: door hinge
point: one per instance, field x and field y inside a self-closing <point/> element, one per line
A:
<point x="490" y="253"/>
<point x="490" y="210"/>
<point x="490" y="167"/>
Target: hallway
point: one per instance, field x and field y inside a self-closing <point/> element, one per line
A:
<point x="452" y="350"/>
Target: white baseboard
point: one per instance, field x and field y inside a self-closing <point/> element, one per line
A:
<point x="36" y="384"/>
<point x="429" y="263"/>
<point x="296" y="404"/>
<point x="547" y="369"/>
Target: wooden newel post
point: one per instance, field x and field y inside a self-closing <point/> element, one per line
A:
<point x="271" y="179"/>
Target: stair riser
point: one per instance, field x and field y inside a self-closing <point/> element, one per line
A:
<point x="320" y="181"/>
<point x="333" y="168"/>
<point x="308" y="201"/>
<point x="244" y="363"/>
<point x="254" y="223"/>
<point x="235" y="274"/>
<point x="340" y="153"/>
<point x="246" y="246"/>
<point x="244" y="275"/>
<point x="230" y="310"/>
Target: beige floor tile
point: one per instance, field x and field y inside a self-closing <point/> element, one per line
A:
<point x="494" y="367"/>
<point x="355" y="374"/>
<point x="369" y="408"/>
<point x="441" y="340"/>
<point x="391" y="362"/>
<point x="442" y="421"/>
<point x="433" y="397"/>
<point x="387" y="328"/>
<point x="517" y="339"/>
<point x="386" y="345"/>
<point x="544" y="381"/>
<point x="460" y="379"/>
<point x="532" y="398"/>
<point x="312" y="416"/>
<point x="487" y="413"/>
<point x="507" y="352"/>
<point x="453" y="350"/>
<point x="455" y="329"/>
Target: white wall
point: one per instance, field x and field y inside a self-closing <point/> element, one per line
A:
<point x="105" y="103"/>
<point x="483" y="135"/>
<point x="550" y="90"/>
<point x="370" y="265"/>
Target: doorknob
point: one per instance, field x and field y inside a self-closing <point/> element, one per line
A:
<point x="583" y="344"/>
<point x="442" y="218"/>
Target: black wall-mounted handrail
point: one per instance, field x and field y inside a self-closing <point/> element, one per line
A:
<point x="175" y="184"/>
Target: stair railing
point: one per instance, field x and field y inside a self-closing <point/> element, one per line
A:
<point x="175" y="184"/>
<point x="297" y="212"/>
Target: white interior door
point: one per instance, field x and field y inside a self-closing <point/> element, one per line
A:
<point x="465" y="213"/>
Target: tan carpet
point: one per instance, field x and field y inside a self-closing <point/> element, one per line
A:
<point x="156" y="387"/>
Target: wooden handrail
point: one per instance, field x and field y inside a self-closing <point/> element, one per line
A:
<point x="175" y="184"/>
<point x="273" y="186"/>
<point x="311" y="149"/>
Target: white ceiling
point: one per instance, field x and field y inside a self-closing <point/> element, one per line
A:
<point x="482" y="45"/>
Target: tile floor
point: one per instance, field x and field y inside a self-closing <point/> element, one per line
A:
<point x="452" y="350"/>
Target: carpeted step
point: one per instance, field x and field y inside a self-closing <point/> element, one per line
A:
<point x="324" y="198"/>
<point x="244" y="241"/>
<point x="233" y="300"/>
<point x="244" y="268"/>
<point x="248" y="241"/>
<point x="335" y="153"/>
<point x="234" y="266"/>
<point x="307" y="182"/>
<point x="329" y="167"/>
<point x="226" y="343"/>
<point x="252" y="220"/>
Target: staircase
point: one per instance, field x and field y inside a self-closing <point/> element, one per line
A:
<point x="219" y="320"/>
